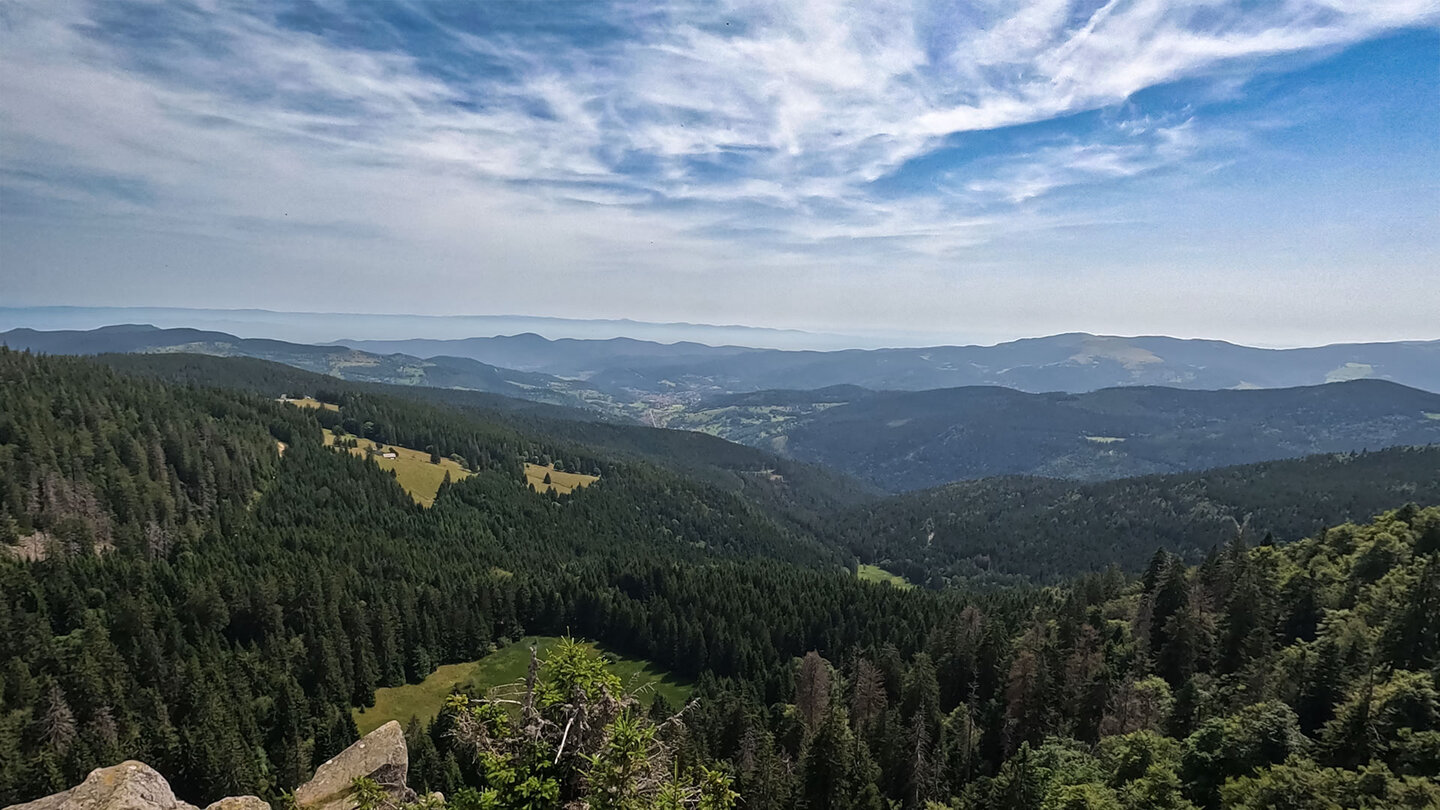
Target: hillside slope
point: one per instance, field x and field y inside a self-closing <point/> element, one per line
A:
<point x="1045" y="529"/>
<point x="912" y="440"/>
<point x="793" y="490"/>
<point x="337" y="361"/>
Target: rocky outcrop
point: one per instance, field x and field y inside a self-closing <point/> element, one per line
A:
<point x="239" y="803"/>
<point x="130" y="785"/>
<point x="379" y="755"/>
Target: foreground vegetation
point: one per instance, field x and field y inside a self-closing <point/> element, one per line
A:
<point x="216" y="609"/>
<point x="504" y="668"/>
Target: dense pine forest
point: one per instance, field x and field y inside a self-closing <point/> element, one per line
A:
<point x="798" y="492"/>
<point x="1007" y="529"/>
<point x="190" y="578"/>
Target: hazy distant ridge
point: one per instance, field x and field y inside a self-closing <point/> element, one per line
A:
<point x="337" y="361"/>
<point x="906" y="439"/>
<point x="1075" y="362"/>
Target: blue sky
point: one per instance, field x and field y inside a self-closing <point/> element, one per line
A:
<point x="1265" y="172"/>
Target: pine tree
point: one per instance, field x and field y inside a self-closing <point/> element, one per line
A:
<point x="57" y="726"/>
<point x="828" y="766"/>
<point x="868" y="699"/>
<point x="812" y="690"/>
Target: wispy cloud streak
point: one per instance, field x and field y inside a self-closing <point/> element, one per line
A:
<point x="735" y="130"/>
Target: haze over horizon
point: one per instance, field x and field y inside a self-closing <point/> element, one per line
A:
<point x="341" y="327"/>
<point x="1263" y="175"/>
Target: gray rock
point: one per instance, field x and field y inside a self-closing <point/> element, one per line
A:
<point x="240" y="803"/>
<point x="130" y="785"/>
<point x="379" y="755"/>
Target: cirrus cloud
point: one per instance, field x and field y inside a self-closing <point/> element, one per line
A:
<point x="521" y="153"/>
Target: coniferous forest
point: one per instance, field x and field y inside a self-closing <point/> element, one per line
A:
<point x="190" y="577"/>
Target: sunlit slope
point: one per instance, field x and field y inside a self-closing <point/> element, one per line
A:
<point x="414" y="469"/>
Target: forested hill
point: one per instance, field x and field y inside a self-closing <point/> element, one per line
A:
<point x="792" y="490"/>
<point x="1045" y="529"/>
<point x="215" y="607"/>
<point x="180" y="541"/>
<point x="339" y="361"/>
<point x="913" y="440"/>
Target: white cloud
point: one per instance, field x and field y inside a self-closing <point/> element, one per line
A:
<point x="705" y="120"/>
<point x="827" y="90"/>
<point x="1146" y="148"/>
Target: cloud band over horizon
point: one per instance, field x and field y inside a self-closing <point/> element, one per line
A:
<point x="1260" y="172"/>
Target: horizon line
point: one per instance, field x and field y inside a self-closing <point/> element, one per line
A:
<point x="621" y="321"/>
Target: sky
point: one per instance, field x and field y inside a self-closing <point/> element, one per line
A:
<point x="1266" y="172"/>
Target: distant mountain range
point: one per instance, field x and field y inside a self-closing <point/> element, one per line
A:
<point x="324" y="327"/>
<point x="1072" y="362"/>
<point x="646" y="370"/>
<point x="337" y="361"/>
<point x="902" y="439"/>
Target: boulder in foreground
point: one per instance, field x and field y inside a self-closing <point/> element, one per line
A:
<point x="379" y="755"/>
<point x="130" y="785"/>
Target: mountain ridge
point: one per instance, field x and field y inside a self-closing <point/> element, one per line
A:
<point x="338" y="361"/>
<point x="1073" y="361"/>
<point x="905" y="440"/>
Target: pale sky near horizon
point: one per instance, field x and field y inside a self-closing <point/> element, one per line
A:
<point x="1266" y="173"/>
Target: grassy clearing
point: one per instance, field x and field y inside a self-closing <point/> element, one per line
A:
<point x="422" y="700"/>
<point x="562" y="482"/>
<point x="310" y="402"/>
<point x="1429" y="415"/>
<point x="412" y="468"/>
<point x="500" y="668"/>
<point x="874" y="573"/>
<point x="1104" y="439"/>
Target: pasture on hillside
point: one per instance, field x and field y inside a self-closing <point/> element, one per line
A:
<point x="562" y="482"/>
<point x="503" y="668"/>
<point x="413" y="469"/>
<point x="309" y="402"/>
<point x="874" y="573"/>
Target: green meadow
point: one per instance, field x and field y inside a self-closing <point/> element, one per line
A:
<point x="502" y="667"/>
<point x="874" y="573"/>
<point x="413" y="470"/>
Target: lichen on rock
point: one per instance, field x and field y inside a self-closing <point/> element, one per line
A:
<point x="130" y="785"/>
<point x="380" y="755"/>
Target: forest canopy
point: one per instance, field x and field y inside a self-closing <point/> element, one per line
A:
<point x="175" y="589"/>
